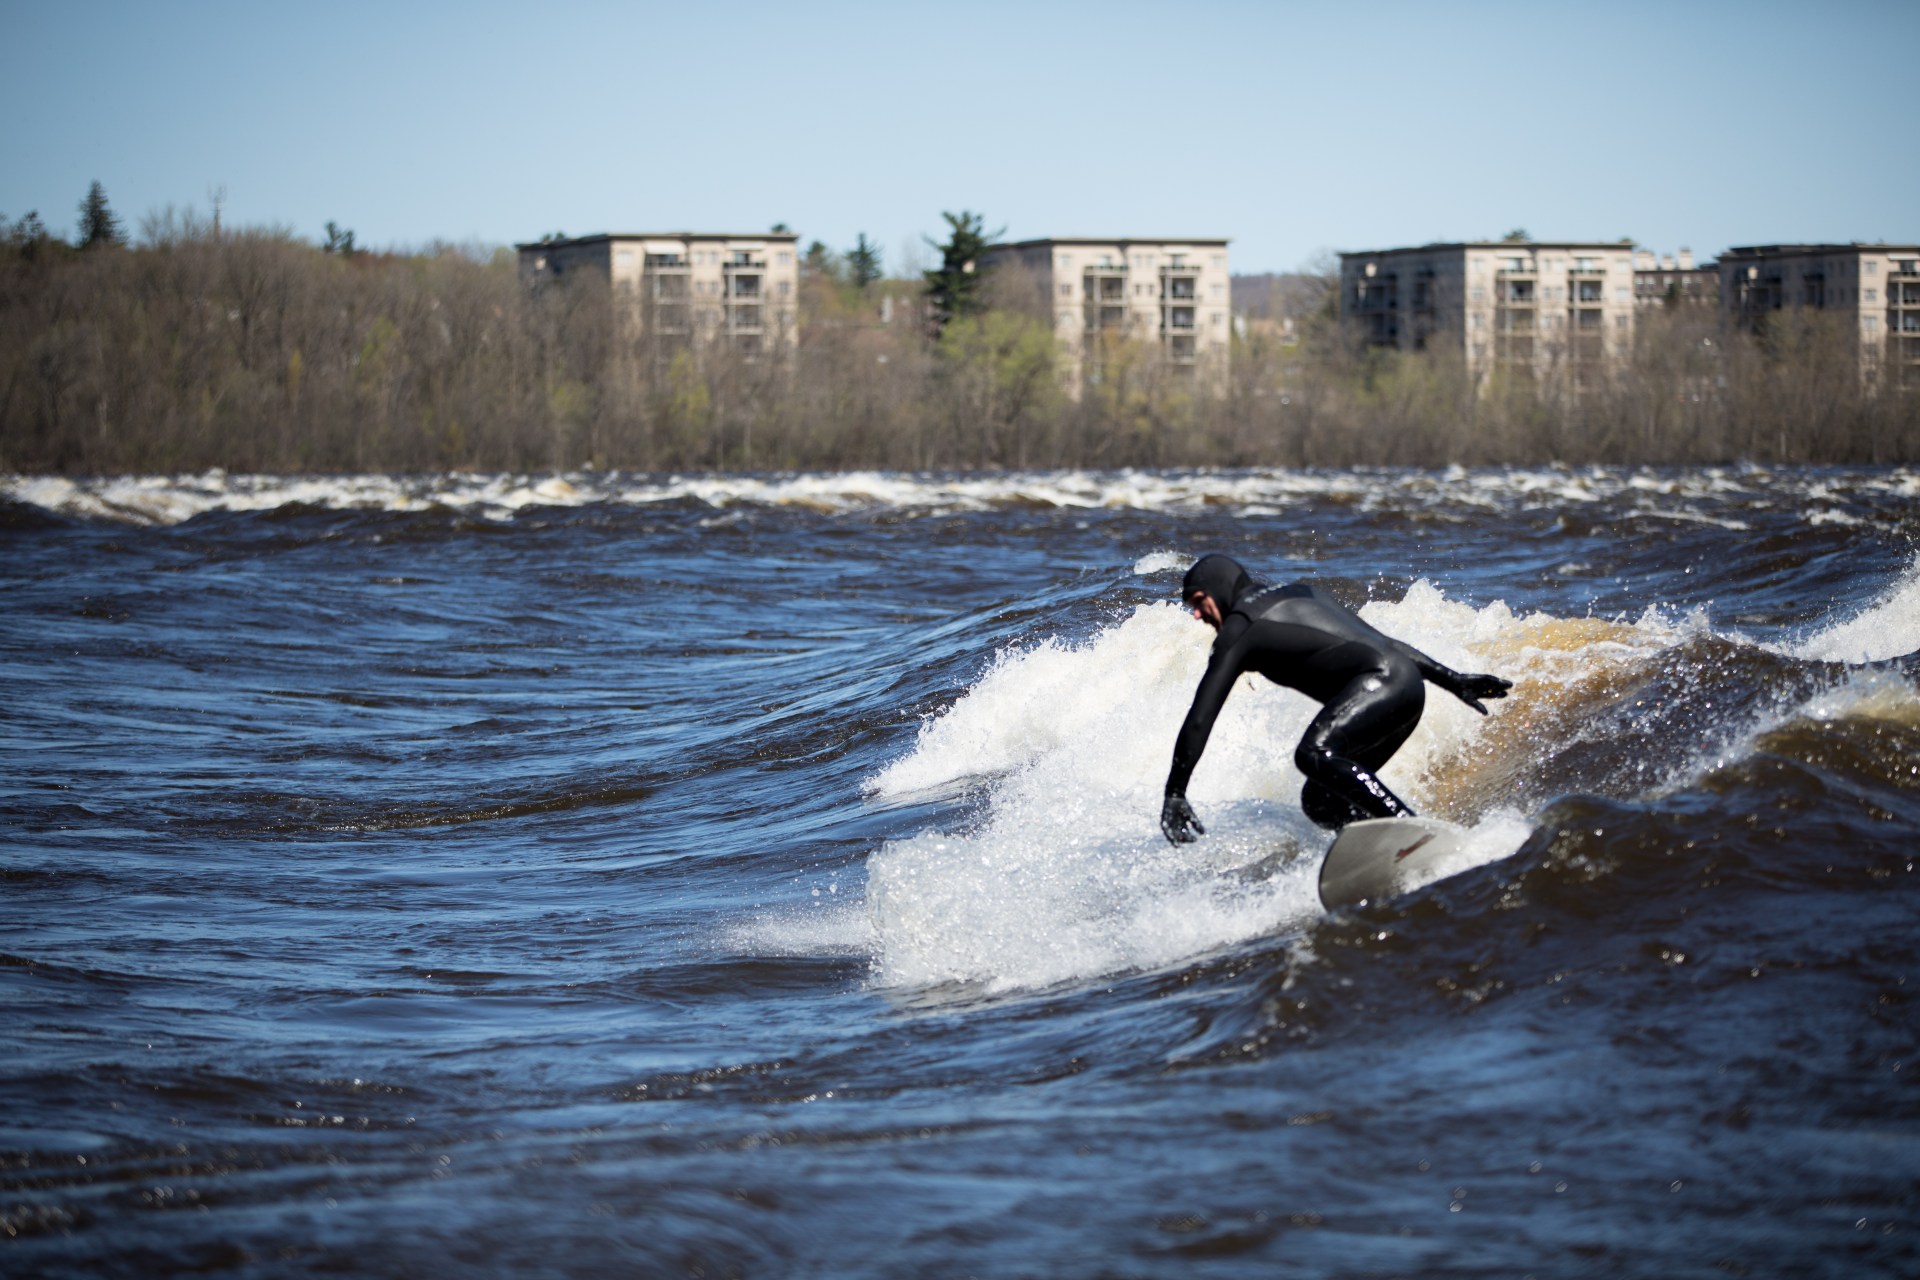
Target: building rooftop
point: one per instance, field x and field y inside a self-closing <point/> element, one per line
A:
<point x="1034" y="244"/>
<point x="1495" y="244"/>
<point x="603" y="236"/>
<point x="1784" y="250"/>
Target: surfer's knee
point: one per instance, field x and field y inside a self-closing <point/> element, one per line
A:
<point x="1313" y="757"/>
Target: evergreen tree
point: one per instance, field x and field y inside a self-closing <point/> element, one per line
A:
<point x="863" y="262"/>
<point x="954" y="289"/>
<point x="820" y="261"/>
<point x="27" y="237"/>
<point x="98" y="225"/>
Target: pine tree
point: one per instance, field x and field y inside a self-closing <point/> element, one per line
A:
<point x="954" y="289"/>
<point x="863" y="262"/>
<point x="98" y="225"/>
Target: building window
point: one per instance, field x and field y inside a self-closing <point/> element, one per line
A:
<point x="1871" y="324"/>
<point x="1479" y="293"/>
<point x="784" y="258"/>
<point x="1873" y="268"/>
<point x="1870" y="295"/>
<point x="1066" y="291"/>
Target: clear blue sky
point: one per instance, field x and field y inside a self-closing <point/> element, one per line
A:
<point x="1291" y="128"/>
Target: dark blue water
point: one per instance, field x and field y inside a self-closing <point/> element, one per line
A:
<point x="760" y="877"/>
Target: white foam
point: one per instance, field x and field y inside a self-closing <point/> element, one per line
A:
<point x="1161" y="562"/>
<point x="828" y="925"/>
<point x="1888" y="628"/>
<point x="169" y="499"/>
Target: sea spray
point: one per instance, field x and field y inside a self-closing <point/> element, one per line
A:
<point x="1066" y="875"/>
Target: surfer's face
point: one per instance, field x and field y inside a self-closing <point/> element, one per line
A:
<point x="1204" y="608"/>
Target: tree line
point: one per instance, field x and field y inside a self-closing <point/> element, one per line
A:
<point x="195" y="347"/>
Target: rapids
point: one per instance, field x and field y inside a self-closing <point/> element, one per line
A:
<point x="760" y="875"/>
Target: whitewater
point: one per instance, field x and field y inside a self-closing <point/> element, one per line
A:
<point x="760" y="875"/>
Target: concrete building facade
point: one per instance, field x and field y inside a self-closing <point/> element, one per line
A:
<point x="1673" y="280"/>
<point x="1874" y="287"/>
<point x="1174" y="295"/>
<point x="687" y="288"/>
<point x="1527" y="305"/>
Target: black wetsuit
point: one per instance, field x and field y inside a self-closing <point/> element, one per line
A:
<point x="1371" y="687"/>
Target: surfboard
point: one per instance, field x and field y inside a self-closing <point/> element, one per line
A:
<point x="1382" y="857"/>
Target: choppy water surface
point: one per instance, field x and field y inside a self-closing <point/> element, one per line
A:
<point x="760" y="877"/>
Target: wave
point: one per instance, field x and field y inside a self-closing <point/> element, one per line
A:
<point x="1887" y="628"/>
<point x="1663" y="495"/>
<point x="1062" y="874"/>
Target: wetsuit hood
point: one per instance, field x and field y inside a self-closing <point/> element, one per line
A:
<point x="1220" y="577"/>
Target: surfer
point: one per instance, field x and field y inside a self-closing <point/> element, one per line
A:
<point x="1371" y="688"/>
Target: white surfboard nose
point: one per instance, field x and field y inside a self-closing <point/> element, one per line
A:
<point x="1382" y="857"/>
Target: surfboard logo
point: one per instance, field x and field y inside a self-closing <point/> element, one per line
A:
<point x="1413" y="848"/>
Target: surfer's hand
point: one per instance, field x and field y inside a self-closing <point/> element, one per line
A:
<point x="1470" y="689"/>
<point x="1178" y="821"/>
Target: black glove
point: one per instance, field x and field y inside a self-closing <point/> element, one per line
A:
<point x="1178" y="821"/>
<point x="1470" y="689"/>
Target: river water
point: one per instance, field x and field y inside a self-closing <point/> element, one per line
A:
<point x="759" y="876"/>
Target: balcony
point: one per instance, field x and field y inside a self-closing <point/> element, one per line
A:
<point x="1111" y="290"/>
<point x="670" y="320"/>
<point x="668" y="262"/>
<point x="1182" y="350"/>
<point x="1179" y="319"/>
<point x="744" y="264"/>
<point x="1107" y="269"/>
<point x="1187" y="269"/>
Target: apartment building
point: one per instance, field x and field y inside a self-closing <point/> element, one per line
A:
<point x="1174" y="295"/>
<point x="1524" y="304"/>
<point x="686" y="288"/>
<point x="1875" y="287"/>
<point x="1672" y="280"/>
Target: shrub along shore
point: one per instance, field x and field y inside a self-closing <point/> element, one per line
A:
<point x="254" y="351"/>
